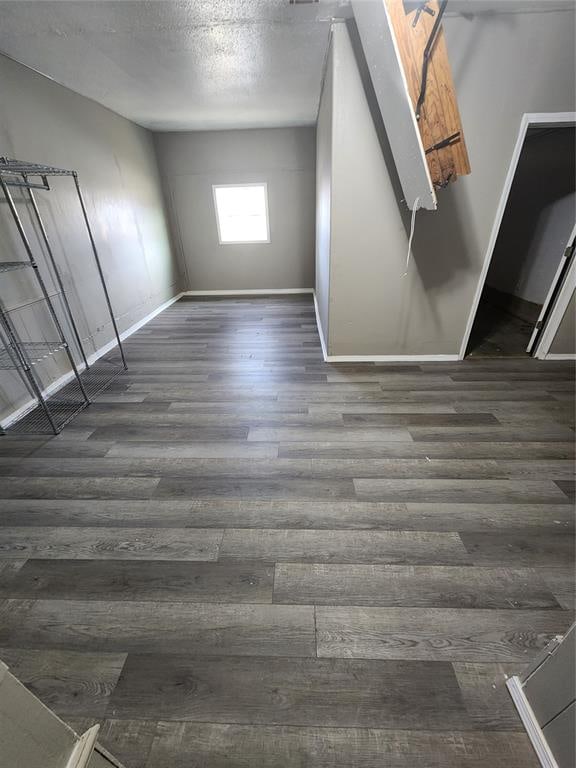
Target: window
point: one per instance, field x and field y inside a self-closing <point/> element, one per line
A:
<point x="242" y="213"/>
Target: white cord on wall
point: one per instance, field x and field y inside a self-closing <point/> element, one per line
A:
<point x="412" y="226"/>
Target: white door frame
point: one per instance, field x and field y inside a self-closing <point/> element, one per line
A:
<point x="555" y="318"/>
<point x="545" y="325"/>
<point x="529" y="119"/>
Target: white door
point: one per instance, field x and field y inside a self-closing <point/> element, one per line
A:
<point x="560" y="272"/>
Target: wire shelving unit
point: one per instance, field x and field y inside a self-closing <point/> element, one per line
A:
<point x="51" y="411"/>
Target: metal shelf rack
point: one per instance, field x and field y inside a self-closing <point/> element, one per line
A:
<point x="52" y="412"/>
<point x="33" y="351"/>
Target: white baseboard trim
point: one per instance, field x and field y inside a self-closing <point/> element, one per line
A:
<point x="530" y="723"/>
<point x="250" y="292"/>
<point x="392" y="358"/>
<point x="320" y="329"/>
<point x="558" y="356"/>
<point x="151" y="316"/>
<point x="129" y="331"/>
<point x="67" y="377"/>
<point x="31" y="404"/>
<point x="375" y="358"/>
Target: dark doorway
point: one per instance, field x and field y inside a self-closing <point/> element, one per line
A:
<point x="537" y="222"/>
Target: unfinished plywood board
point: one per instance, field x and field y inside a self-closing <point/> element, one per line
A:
<point x="394" y="101"/>
<point x="417" y="30"/>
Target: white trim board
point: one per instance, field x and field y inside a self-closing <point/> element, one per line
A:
<point x="28" y="406"/>
<point x="249" y="292"/>
<point x="529" y="118"/>
<point x="558" y="356"/>
<point x="392" y="358"/>
<point x="535" y="734"/>
<point x="388" y="77"/>
<point x="375" y="358"/>
<point x="67" y="377"/>
<point x="129" y="331"/>
<point x="544" y="328"/>
<point x="557" y="312"/>
<point x="320" y="329"/>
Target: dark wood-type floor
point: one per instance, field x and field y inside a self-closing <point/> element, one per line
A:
<point x="242" y="556"/>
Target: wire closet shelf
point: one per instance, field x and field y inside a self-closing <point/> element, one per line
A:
<point x="49" y="411"/>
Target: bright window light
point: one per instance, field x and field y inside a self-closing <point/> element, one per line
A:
<point x="242" y="213"/>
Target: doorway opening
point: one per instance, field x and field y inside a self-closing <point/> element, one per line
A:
<point x="533" y="250"/>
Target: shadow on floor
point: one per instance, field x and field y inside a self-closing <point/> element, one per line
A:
<point x="497" y="333"/>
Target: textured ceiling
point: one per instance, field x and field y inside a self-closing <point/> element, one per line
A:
<point x="202" y="64"/>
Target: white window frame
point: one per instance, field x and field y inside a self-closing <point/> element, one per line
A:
<point x="241" y="184"/>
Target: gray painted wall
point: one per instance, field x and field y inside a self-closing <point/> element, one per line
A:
<point x="504" y="64"/>
<point x="368" y="237"/>
<point x="284" y="158"/>
<point x="44" y="122"/>
<point x="539" y="217"/>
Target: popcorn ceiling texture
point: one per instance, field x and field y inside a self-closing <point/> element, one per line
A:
<point x="180" y="65"/>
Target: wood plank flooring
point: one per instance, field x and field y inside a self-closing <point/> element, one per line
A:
<point x="243" y="556"/>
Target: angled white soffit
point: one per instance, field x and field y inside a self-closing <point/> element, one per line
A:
<point x="391" y="89"/>
<point x="171" y="65"/>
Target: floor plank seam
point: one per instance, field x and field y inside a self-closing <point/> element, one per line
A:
<point x="248" y="555"/>
<point x="315" y="633"/>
